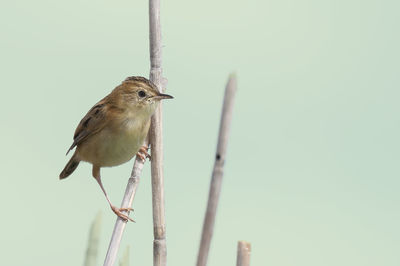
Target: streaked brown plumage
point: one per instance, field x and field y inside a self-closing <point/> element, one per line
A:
<point x="114" y="129"/>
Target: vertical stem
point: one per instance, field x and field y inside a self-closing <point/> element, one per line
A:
<point x="243" y="253"/>
<point x="125" y="258"/>
<point x="216" y="180"/>
<point x="157" y="175"/>
<point x="156" y="153"/>
<point x="93" y="243"/>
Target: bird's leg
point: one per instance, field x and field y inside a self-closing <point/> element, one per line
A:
<point x="143" y="154"/>
<point x="117" y="211"/>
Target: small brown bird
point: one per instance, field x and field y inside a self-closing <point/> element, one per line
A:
<point x="114" y="129"/>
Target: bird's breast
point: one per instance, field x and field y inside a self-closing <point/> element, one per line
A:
<point x="116" y="144"/>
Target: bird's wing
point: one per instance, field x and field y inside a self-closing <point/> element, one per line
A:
<point x="94" y="121"/>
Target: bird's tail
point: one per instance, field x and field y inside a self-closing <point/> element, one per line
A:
<point x="70" y="167"/>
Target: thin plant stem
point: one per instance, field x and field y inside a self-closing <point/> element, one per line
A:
<point x="243" y="253"/>
<point x="125" y="258"/>
<point x="217" y="174"/>
<point x="157" y="174"/>
<point x="156" y="154"/>
<point x="120" y="224"/>
<point x="93" y="242"/>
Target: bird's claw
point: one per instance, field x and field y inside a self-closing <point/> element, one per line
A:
<point x="143" y="154"/>
<point x="118" y="212"/>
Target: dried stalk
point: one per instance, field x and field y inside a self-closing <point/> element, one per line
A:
<point x="156" y="153"/>
<point x="243" y="253"/>
<point x="125" y="259"/>
<point x="216" y="180"/>
<point x="157" y="175"/>
<point x="120" y="224"/>
<point x="93" y="242"/>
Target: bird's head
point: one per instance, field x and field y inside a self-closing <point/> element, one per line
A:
<point x="138" y="94"/>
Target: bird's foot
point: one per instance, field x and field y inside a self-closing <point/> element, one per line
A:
<point x="143" y="154"/>
<point x="118" y="212"/>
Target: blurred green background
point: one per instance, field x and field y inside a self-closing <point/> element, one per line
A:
<point x="312" y="171"/>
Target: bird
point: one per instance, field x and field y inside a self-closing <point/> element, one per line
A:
<point x="114" y="129"/>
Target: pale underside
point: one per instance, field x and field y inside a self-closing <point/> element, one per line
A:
<point x="113" y="146"/>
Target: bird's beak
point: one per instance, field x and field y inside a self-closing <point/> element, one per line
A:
<point x="161" y="96"/>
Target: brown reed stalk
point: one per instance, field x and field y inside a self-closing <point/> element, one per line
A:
<point x="156" y="154"/>
<point x="120" y="224"/>
<point x="157" y="174"/>
<point x="216" y="180"/>
<point x="243" y="253"/>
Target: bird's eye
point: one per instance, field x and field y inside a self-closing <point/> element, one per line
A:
<point x="141" y="94"/>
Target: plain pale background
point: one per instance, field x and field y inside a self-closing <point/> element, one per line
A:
<point x="312" y="171"/>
